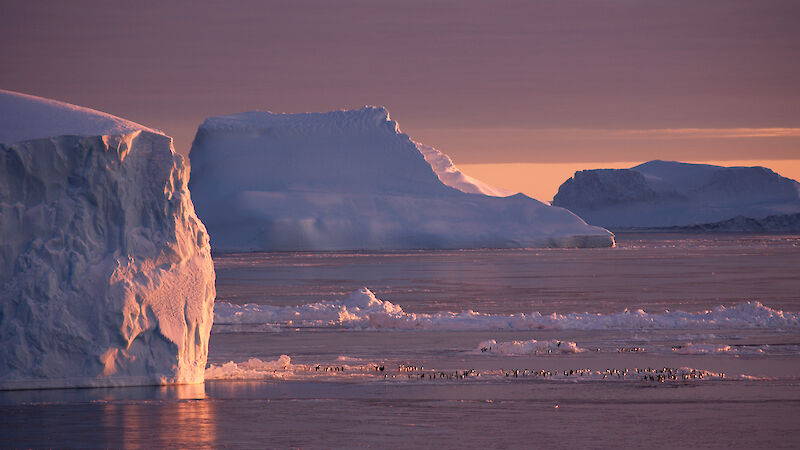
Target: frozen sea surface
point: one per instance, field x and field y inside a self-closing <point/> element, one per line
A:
<point x="720" y="385"/>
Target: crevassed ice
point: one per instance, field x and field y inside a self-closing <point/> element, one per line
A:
<point x="106" y="277"/>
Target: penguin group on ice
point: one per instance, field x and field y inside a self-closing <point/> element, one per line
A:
<point x="414" y="372"/>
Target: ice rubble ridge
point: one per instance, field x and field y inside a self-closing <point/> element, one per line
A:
<point x="351" y="180"/>
<point x="667" y="193"/>
<point x="361" y="310"/>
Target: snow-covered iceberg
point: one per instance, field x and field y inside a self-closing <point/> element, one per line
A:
<point x="665" y="193"/>
<point x="349" y="180"/>
<point x="106" y="276"/>
<point x="452" y="176"/>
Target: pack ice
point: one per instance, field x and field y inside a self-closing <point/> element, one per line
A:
<point x="667" y="193"/>
<point x="347" y="180"/>
<point x="106" y="276"/>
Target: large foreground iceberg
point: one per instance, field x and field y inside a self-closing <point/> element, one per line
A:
<point x="665" y="193"/>
<point x="349" y="180"/>
<point x="106" y="277"/>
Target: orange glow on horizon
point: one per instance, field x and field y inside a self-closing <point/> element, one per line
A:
<point x="541" y="180"/>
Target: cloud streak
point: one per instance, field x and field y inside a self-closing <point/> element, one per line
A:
<point x="709" y="133"/>
<point x="652" y="133"/>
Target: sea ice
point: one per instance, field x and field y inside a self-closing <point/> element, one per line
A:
<point x="691" y="348"/>
<point x="253" y="368"/>
<point x="283" y="369"/>
<point x="348" y="180"/>
<point x="106" y="276"/>
<point x="362" y="310"/>
<point x="530" y="347"/>
<point x="703" y="348"/>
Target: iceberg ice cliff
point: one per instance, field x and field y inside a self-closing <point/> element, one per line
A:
<point x="106" y="277"/>
<point x="666" y="194"/>
<point x="450" y="175"/>
<point x="349" y="180"/>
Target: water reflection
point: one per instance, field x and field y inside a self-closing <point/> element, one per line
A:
<point x="180" y="424"/>
<point x="135" y="417"/>
<point x="45" y="396"/>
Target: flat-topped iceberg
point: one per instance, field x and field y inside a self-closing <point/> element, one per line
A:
<point x="349" y="180"/>
<point x="665" y="194"/>
<point x="106" y="276"/>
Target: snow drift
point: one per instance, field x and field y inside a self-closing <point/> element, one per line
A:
<point x="665" y="193"/>
<point x="348" y="180"/>
<point x="106" y="277"/>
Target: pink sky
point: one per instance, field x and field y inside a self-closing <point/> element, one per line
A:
<point x="485" y="82"/>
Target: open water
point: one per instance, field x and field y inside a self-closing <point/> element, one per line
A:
<point x="670" y="375"/>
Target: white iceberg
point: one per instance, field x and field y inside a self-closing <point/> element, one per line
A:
<point x="106" y="277"/>
<point x="348" y="180"/>
<point x="666" y="194"/>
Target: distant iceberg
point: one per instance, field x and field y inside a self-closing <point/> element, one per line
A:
<point x="106" y="276"/>
<point x="349" y="180"/>
<point x="666" y="194"/>
<point x="781" y="223"/>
